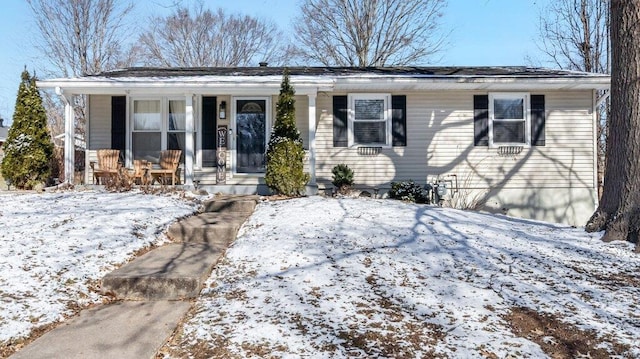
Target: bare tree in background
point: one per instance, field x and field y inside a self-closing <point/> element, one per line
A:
<point x="619" y="211"/>
<point x="369" y="32"/>
<point x="574" y="35"/>
<point x="78" y="37"/>
<point x="201" y="37"/>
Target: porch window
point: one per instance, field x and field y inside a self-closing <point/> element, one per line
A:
<point x="147" y="129"/>
<point x="508" y="119"/>
<point x="175" y="131"/>
<point x="369" y="120"/>
<point x="158" y="124"/>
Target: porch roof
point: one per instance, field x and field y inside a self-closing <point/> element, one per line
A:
<point x="264" y="79"/>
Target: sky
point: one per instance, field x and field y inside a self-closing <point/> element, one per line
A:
<point x="481" y="33"/>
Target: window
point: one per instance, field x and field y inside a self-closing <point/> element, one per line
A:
<point x="369" y="120"/>
<point x="147" y="130"/>
<point x="175" y="130"/>
<point x="158" y="124"/>
<point x="509" y="119"/>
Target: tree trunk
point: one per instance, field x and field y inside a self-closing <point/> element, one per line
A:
<point x="619" y="210"/>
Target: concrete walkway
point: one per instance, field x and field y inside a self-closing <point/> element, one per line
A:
<point x="155" y="291"/>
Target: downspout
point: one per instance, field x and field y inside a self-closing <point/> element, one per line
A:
<point x="69" y="137"/>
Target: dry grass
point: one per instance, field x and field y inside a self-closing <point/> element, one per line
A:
<point x="558" y="339"/>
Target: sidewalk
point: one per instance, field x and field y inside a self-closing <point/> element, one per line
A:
<point x="155" y="291"/>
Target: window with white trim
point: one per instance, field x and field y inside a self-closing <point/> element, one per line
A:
<point x="157" y="124"/>
<point x="369" y="119"/>
<point x="146" y="137"/>
<point x="176" y="126"/>
<point x="509" y="119"/>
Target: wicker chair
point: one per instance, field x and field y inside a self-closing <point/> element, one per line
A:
<point x="108" y="165"/>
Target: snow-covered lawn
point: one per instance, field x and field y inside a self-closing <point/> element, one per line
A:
<point x="321" y="277"/>
<point x="55" y="247"/>
<point x="318" y="277"/>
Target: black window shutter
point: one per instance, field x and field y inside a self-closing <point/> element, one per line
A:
<point x="538" y="118"/>
<point x="399" y="120"/>
<point x="340" y="138"/>
<point x="209" y="122"/>
<point x="119" y="124"/>
<point x="481" y="120"/>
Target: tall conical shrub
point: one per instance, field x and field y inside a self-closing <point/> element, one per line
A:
<point x="28" y="148"/>
<point x="285" y="154"/>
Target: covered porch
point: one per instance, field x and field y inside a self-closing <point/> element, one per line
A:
<point x="221" y="124"/>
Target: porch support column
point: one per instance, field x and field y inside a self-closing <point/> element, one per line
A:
<point x="69" y="136"/>
<point x="312" y="141"/>
<point x="189" y="150"/>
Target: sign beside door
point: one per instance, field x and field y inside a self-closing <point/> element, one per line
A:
<point x="221" y="155"/>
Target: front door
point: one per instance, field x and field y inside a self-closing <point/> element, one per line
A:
<point x="251" y="135"/>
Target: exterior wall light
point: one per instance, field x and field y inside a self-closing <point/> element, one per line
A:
<point x="223" y="110"/>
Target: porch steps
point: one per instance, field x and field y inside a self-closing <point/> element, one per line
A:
<point x="178" y="270"/>
<point x="231" y="204"/>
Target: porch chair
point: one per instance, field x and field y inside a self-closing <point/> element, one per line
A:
<point x="108" y="165"/>
<point x="169" y="167"/>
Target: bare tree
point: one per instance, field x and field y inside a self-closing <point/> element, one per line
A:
<point x="80" y="37"/>
<point x="619" y="211"/>
<point x="200" y="37"/>
<point x="574" y="35"/>
<point x="369" y="32"/>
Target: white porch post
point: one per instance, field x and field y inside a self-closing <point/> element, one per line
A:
<point x="69" y="137"/>
<point x="312" y="138"/>
<point x="188" y="139"/>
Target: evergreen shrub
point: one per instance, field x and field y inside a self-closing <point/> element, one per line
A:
<point x="342" y="178"/>
<point x="285" y="154"/>
<point x="409" y="191"/>
<point x="28" y="150"/>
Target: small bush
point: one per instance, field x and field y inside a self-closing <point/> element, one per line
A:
<point x="342" y="178"/>
<point x="285" y="173"/>
<point x="409" y="191"/>
<point x="122" y="182"/>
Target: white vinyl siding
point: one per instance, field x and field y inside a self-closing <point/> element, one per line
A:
<point x="99" y="123"/>
<point x="99" y="130"/>
<point x="302" y="118"/>
<point x="440" y="142"/>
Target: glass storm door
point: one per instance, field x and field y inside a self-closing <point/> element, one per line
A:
<point x="251" y="125"/>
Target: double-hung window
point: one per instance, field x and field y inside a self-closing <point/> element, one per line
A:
<point x="176" y="126"/>
<point x="158" y="124"/>
<point x="147" y="129"/>
<point x="369" y="120"/>
<point x="509" y="118"/>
